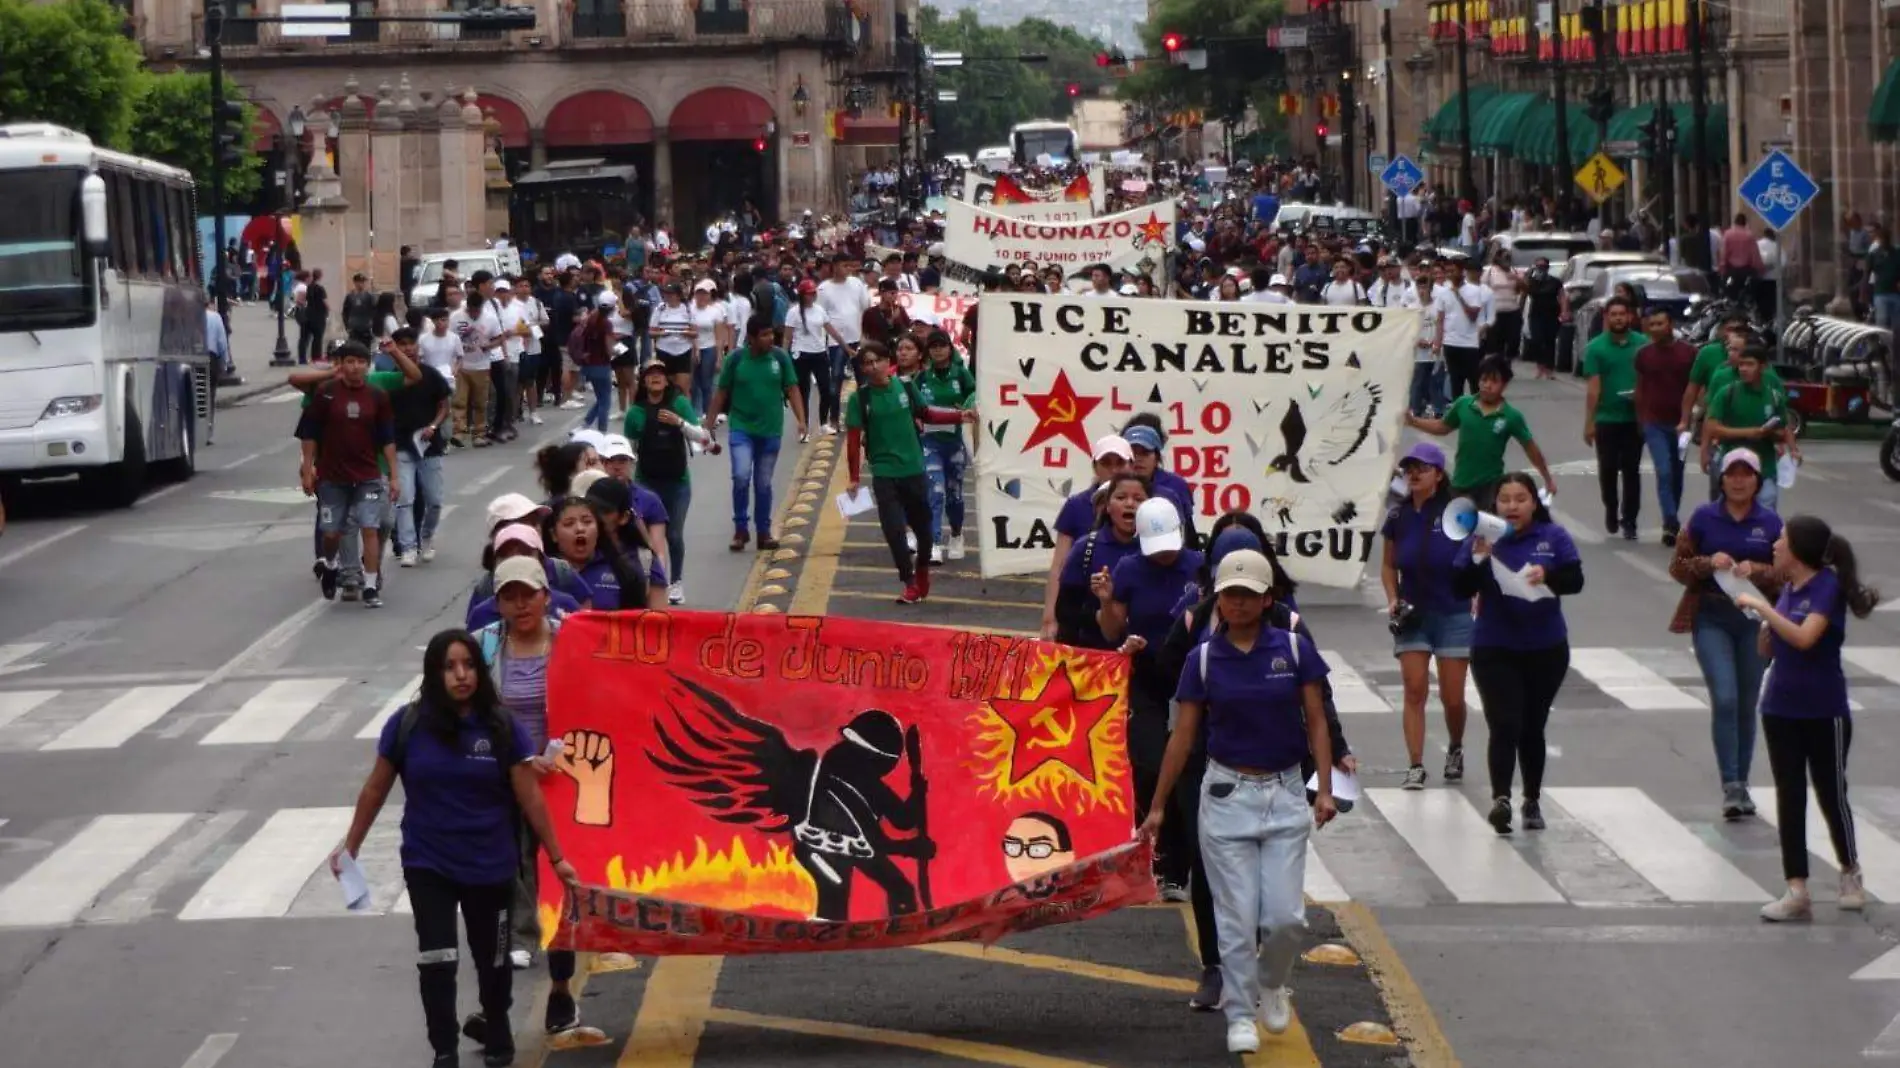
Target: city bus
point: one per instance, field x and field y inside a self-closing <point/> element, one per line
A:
<point x="1030" y="141"/>
<point x="103" y="369"/>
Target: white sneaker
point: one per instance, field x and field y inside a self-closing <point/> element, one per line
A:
<point x="407" y="559"/>
<point x="1788" y="907"/>
<point x="573" y="404"/>
<point x="1276" y="1009"/>
<point x="521" y="959"/>
<point x="1853" y="894"/>
<point x="722" y="419"/>
<point x="804" y="439"/>
<point x="936" y="554"/>
<point x="428" y="551"/>
<point x="956" y="549"/>
<point x="910" y="541"/>
<point x="828" y="429"/>
<point x="676" y="593"/>
<point x="535" y="418"/>
<point x="1243" y="1037"/>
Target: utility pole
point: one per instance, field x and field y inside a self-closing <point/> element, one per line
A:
<point x="1660" y="159"/>
<point x="1699" y="117"/>
<point x="1467" y="188"/>
<point x="1604" y="98"/>
<point x="1391" y="127"/>
<point x="1564" y="169"/>
<point x="1348" y="118"/>
<point x="214" y="37"/>
<point x="915" y="186"/>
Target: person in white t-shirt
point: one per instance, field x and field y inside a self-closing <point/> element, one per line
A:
<point x="504" y="372"/>
<point x="674" y="335"/>
<point x="1466" y="308"/>
<point x="1468" y="228"/>
<point x="438" y="347"/>
<point x="1344" y="291"/>
<point x="1390" y="291"/>
<point x="1268" y="288"/>
<point x="813" y="335"/>
<point x="476" y="325"/>
<point x="1428" y="355"/>
<point x="1507" y="296"/>
<point x="711" y="333"/>
<point x="844" y="296"/>
<point x="528" y="376"/>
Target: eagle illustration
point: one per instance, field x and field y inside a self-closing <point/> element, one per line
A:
<point x="1342" y="430"/>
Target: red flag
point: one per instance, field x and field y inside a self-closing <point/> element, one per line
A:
<point x="1008" y="192"/>
<point x="1078" y="189"/>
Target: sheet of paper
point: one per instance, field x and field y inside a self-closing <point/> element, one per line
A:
<point x="353" y="884"/>
<point x="1345" y="785"/>
<point x="850" y="504"/>
<point x="1512" y="584"/>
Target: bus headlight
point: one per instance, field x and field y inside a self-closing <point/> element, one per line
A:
<point x="72" y="406"/>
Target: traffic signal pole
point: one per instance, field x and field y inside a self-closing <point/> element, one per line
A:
<point x="1468" y="189"/>
<point x="1699" y="117"/>
<point x="214" y="32"/>
<point x="1391" y="128"/>
<point x="1564" y="169"/>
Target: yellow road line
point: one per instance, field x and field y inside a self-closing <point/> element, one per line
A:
<point x="980" y="1052"/>
<point x="1087" y="969"/>
<point x="1294" y="1049"/>
<point x="673" y="1013"/>
<point x="1412" y="1015"/>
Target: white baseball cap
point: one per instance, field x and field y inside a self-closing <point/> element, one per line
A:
<point x="587" y="435"/>
<point x="511" y="508"/>
<point x="1113" y="445"/>
<point x="1158" y="524"/>
<point x="1277" y="280"/>
<point x="584" y="480"/>
<point x="616" y="447"/>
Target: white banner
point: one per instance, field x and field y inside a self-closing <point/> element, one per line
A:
<point x="1291" y="412"/>
<point x="984" y="239"/>
<point x="980" y="191"/>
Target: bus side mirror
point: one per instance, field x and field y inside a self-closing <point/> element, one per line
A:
<point x="92" y="211"/>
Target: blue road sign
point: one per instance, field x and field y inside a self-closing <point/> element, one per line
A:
<point x="1778" y="189"/>
<point x="1401" y="175"/>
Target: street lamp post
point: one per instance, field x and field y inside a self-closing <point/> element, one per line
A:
<point x="292" y="152"/>
<point x="1467" y="188"/>
<point x="1348" y="118"/>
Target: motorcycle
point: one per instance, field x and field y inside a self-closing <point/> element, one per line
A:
<point x="1890" y="451"/>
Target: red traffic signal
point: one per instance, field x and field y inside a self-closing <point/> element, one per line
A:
<point x="1074" y="89"/>
<point x="1319" y="130"/>
<point x="1171" y="42"/>
<point x="1102" y="59"/>
<point x="758" y="144"/>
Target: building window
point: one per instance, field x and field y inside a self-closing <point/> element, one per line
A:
<point x="363" y="26"/>
<point x="720" y="17"/>
<point x="598" y="19"/>
<point x="240" y="33"/>
<point x="468" y="33"/>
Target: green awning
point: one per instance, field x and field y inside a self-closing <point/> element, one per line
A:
<point x="1537" y="134"/>
<point x="1443" y="128"/>
<point x="1883" y="115"/>
<point x="1495" y="126"/>
<point x="1626" y="126"/>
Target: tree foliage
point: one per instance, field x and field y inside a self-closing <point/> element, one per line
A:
<point x="172" y="124"/>
<point x="992" y="96"/>
<point x="1241" y="70"/>
<point x="68" y="63"/>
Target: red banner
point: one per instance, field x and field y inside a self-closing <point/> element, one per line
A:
<point x="753" y="784"/>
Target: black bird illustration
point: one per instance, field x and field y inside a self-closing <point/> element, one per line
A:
<point x="1343" y="429"/>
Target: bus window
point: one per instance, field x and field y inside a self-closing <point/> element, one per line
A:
<point x="154" y="195"/>
<point x="118" y="221"/>
<point x="184" y="242"/>
<point x="143" y="260"/>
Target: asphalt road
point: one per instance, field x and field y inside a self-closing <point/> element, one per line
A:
<point x="1625" y="934"/>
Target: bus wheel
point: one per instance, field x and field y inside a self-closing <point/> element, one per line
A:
<point x="121" y="483"/>
<point x="185" y="464"/>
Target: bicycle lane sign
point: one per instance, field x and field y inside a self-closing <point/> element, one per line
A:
<point x="1777" y="189"/>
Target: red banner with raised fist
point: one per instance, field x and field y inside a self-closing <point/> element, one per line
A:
<point x="757" y="783"/>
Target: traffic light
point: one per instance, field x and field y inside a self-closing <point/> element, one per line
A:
<point x="1601" y="105"/>
<point x="1172" y="42"/>
<point x="227" y="132"/>
<point x="1319" y="130"/>
<point x="1651" y="134"/>
<point x="1111" y="58"/>
<point x="758" y="144"/>
<point x="1074" y="89"/>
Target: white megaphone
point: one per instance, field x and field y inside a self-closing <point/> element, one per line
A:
<point x="1463" y="519"/>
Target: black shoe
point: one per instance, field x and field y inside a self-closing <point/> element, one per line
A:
<point x="457" y="443"/>
<point x="562" y="1014"/>
<point x="326" y="579"/>
<point x="445" y="1060"/>
<point x="372" y="597"/>
<point x="1533" y="814"/>
<point x="1610" y="522"/>
<point x="1501" y="815"/>
<point x="1207" y="996"/>
<point x="475" y="1028"/>
<point x="499" y="1057"/>
<point x="1669" y="535"/>
<point x="1629" y="532"/>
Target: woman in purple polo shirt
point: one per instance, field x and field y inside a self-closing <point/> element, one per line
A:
<point x="1087" y="580"/>
<point x="1734" y="535"/>
<point x="1145" y="440"/>
<point x="1520" y="647"/>
<point x="467" y="771"/>
<point x="1804" y="712"/>
<point x="1259" y="688"/>
<point x="1426" y="618"/>
<point x="1077" y="517"/>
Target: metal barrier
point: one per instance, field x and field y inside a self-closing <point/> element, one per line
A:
<point x="1842" y="351"/>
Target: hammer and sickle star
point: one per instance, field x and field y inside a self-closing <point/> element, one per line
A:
<point x="1060" y="734"/>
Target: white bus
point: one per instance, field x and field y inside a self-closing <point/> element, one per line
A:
<point x="1030" y="141"/>
<point x="103" y="369"/>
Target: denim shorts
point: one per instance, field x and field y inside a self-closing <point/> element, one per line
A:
<point x="345" y="506"/>
<point x="1446" y="635"/>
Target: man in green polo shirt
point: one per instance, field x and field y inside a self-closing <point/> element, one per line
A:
<point x="1486" y="424"/>
<point x="1715" y="368"/>
<point x="883" y="420"/>
<point x="1752" y="413"/>
<point x="1609" y="416"/>
<point x="756" y="384"/>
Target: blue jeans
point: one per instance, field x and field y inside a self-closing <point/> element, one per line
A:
<point x="421" y="480"/>
<point x="601" y="381"/>
<point x="1887" y="310"/>
<point x="944" y="460"/>
<point x="1427" y="387"/>
<point x="1732" y="667"/>
<point x="1668" y="460"/>
<point x="840" y="356"/>
<point x="705" y="373"/>
<point x="1254" y="830"/>
<point x="676" y="497"/>
<point x="753" y="459"/>
<point x="1769" y="496"/>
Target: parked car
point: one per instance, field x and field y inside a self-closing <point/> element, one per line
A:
<point x="1579" y="275"/>
<point x="1679" y="289"/>
<point x="1526" y="248"/>
<point x="498" y="262"/>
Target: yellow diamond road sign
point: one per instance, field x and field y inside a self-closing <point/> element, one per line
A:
<point x="1600" y="176"/>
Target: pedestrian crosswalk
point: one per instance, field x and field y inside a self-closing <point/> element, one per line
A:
<point x="1605" y="846"/>
<point x="270" y="711"/>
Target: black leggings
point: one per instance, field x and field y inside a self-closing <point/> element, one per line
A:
<point x="1797" y="749"/>
<point x="1518" y="688"/>
<point x="816" y="367"/>
<point x="485" y="914"/>
<point x="904" y="503"/>
<point x="1620" y="459"/>
<point x="1147" y="747"/>
<point x="1461" y="371"/>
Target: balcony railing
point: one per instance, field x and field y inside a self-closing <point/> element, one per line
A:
<point x="598" y="21"/>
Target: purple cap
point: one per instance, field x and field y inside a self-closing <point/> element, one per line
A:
<point x="1425" y="453"/>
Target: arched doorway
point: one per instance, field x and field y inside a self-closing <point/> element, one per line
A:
<point x="564" y="204"/>
<point x="722" y="157"/>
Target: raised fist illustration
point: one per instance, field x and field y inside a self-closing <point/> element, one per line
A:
<point x="587" y="757"/>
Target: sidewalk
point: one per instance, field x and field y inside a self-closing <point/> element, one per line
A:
<point x="253" y="338"/>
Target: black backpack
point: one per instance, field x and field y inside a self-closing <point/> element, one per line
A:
<point x="662" y="455"/>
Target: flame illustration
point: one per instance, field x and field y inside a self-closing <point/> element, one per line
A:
<point x="728" y="879"/>
<point x="993" y="744"/>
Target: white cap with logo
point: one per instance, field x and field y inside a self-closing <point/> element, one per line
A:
<point x="1243" y="569"/>
<point x="1158" y="524"/>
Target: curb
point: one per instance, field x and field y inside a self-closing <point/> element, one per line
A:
<point x="236" y="395"/>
